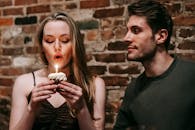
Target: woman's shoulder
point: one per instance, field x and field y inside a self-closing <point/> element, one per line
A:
<point x="27" y="78"/>
<point x="24" y="78"/>
<point x="24" y="82"/>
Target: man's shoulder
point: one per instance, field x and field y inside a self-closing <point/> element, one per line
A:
<point x="132" y="85"/>
<point x="188" y="64"/>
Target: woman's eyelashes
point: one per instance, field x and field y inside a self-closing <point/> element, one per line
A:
<point x="64" y="39"/>
<point x="51" y="39"/>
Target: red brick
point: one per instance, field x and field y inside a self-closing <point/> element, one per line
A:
<point x="4" y="61"/>
<point x="186" y="33"/>
<point x="103" y="13"/>
<point x="11" y="71"/>
<point x="174" y="9"/>
<point x="126" y="69"/>
<point x="118" y="45"/>
<point x="13" y="11"/>
<point x="6" y="82"/>
<point x="71" y="6"/>
<point x="113" y="106"/>
<point x="29" y="28"/>
<point x="106" y="23"/>
<point x="89" y="57"/>
<point x="5" y="91"/>
<point x="187" y="45"/>
<point x="38" y="9"/>
<point x="119" y="22"/>
<point x="116" y="80"/>
<point x="97" y="70"/>
<point x="25" y="2"/>
<point x="185" y="20"/>
<point x="17" y="40"/>
<point x="92" y="35"/>
<point x="31" y="50"/>
<point x="190" y="7"/>
<point x="94" y="3"/>
<point x="120" y="57"/>
<point x="6" y="22"/>
<point x="121" y="2"/>
<point x="107" y="34"/>
<point x="12" y="51"/>
<point x="120" y="32"/>
<point x="4" y="3"/>
<point x="42" y="17"/>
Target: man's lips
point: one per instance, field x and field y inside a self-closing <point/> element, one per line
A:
<point x="130" y="48"/>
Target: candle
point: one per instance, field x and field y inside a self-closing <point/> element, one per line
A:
<point x="56" y="68"/>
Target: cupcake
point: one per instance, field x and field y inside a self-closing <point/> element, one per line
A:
<point x="57" y="77"/>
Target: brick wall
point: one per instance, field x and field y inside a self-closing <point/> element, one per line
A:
<point x="102" y="23"/>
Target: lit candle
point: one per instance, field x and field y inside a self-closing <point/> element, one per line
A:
<point x="56" y="68"/>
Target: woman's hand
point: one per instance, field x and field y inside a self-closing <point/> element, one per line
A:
<point x="41" y="92"/>
<point x="73" y="94"/>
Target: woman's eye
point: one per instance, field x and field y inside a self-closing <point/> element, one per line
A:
<point x="64" y="39"/>
<point x="49" y="39"/>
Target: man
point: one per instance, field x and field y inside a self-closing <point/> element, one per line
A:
<point x="163" y="96"/>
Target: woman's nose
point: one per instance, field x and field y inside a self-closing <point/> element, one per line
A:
<point x="57" y="45"/>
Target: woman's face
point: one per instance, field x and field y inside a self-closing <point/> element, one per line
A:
<point x="57" y="43"/>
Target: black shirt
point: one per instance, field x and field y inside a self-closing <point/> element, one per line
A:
<point x="165" y="102"/>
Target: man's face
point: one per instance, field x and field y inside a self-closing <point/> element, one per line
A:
<point x="141" y="42"/>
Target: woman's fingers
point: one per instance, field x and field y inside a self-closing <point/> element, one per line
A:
<point x="40" y="98"/>
<point x="72" y="93"/>
<point x="48" y="85"/>
<point x="73" y="86"/>
<point x="43" y="91"/>
<point x="70" y="88"/>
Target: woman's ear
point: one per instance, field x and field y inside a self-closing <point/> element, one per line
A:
<point x="161" y="36"/>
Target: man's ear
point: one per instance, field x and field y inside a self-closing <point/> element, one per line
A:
<point x="161" y="36"/>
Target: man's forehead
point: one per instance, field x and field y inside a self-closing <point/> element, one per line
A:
<point x="135" y="20"/>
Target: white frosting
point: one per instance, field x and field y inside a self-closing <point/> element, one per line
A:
<point x="57" y="76"/>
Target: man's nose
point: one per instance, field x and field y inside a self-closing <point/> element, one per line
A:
<point x="127" y="36"/>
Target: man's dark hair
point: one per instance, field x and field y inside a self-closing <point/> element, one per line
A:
<point x="156" y="14"/>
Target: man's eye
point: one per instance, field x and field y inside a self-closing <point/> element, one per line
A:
<point x="135" y="30"/>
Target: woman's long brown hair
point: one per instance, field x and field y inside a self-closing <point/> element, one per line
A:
<point x="79" y="69"/>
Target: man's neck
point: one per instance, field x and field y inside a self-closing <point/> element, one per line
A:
<point x="158" y="64"/>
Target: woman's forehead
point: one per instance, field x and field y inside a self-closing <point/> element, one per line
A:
<point x="56" y="27"/>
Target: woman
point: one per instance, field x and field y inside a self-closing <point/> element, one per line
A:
<point x="36" y="102"/>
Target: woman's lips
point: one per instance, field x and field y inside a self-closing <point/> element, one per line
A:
<point x="58" y="56"/>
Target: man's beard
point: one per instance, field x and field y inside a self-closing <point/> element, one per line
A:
<point x="146" y="57"/>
